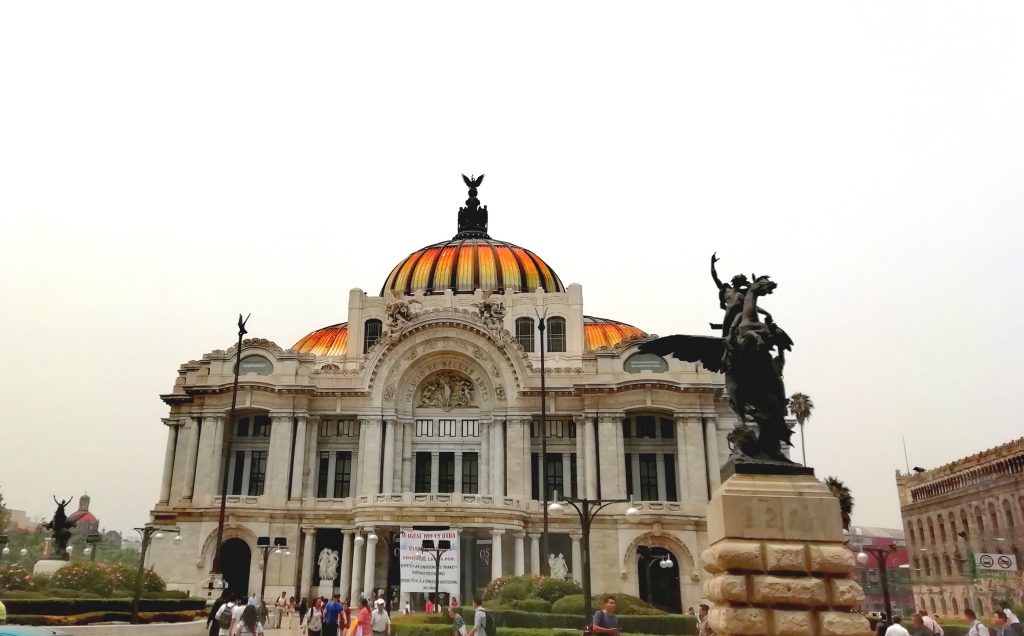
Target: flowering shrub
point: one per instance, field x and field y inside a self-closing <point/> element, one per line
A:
<point x="124" y="579"/>
<point x="14" y="577"/>
<point x="84" y="576"/>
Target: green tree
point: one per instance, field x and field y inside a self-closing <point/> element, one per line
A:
<point x="5" y="515"/>
<point x="800" y="406"/>
<point x="842" y="493"/>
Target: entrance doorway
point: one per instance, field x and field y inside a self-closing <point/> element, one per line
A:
<point x="658" y="586"/>
<point x="235" y="560"/>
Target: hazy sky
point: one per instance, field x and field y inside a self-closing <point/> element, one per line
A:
<point x="164" y="166"/>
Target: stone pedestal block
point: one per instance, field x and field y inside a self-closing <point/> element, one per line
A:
<point x="778" y="563"/>
<point x="46" y="567"/>
<point x="325" y="589"/>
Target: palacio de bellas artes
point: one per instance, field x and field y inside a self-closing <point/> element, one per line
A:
<point x="422" y="409"/>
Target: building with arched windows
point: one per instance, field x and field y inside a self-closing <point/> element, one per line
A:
<point x="954" y="516"/>
<point x="421" y="410"/>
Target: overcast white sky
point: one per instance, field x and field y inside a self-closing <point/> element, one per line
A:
<point x="164" y="166"/>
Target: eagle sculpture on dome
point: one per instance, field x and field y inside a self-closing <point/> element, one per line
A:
<point x="472" y="217"/>
<point x="473" y="182"/>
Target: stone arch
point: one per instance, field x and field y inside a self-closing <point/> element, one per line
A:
<point x="689" y="587"/>
<point x="663" y="540"/>
<point x="434" y="339"/>
<point x="404" y="385"/>
<point x="233" y="531"/>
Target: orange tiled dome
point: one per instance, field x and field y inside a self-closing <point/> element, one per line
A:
<point x="329" y="341"/>
<point x="601" y="332"/>
<point x="465" y="264"/>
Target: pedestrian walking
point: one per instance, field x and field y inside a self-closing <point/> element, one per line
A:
<point x="930" y="623"/>
<point x="332" y="616"/>
<point x="363" y="618"/>
<point x="974" y="626"/>
<point x="302" y="609"/>
<point x="896" y="629"/>
<point x="605" y="620"/>
<point x="380" y="620"/>
<point x="315" y="619"/>
<point x="458" y="624"/>
<point x="703" y="626"/>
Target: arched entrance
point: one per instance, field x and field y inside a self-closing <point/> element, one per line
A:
<point x="235" y="561"/>
<point x="659" y="586"/>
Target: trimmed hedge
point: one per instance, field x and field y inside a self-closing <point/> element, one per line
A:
<point x="104" y="617"/>
<point x="71" y="606"/>
<point x="626" y="605"/>
<point x="534" y="605"/>
<point x="402" y="628"/>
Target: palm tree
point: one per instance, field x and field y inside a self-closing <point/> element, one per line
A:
<point x="801" y="405"/>
<point x="842" y="493"/>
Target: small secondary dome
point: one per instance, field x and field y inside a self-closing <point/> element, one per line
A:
<point x="329" y="341"/>
<point x="471" y="260"/>
<point x="601" y="332"/>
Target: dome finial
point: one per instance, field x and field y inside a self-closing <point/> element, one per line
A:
<point x="473" y="217"/>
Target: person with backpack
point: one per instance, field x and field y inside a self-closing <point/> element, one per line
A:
<point x="974" y="626"/>
<point x="605" y="620"/>
<point x="315" y="618"/>
<point x="223" y="616"/>
<point x="212" y="626"/>
<point x="930" y="623"/>
<point x="483" y="624"/>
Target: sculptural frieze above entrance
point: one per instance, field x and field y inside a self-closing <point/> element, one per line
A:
<point x="447" y="384"/>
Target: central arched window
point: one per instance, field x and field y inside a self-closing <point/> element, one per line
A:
<point x="371" y="333"/>
<point x="556" y="334"/>
<point x="524" y="333"/>
<point x="255" y="364"/>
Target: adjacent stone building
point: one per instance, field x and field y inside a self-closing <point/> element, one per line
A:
<point x="957" y="512"/>
<point x="421" y="409"/>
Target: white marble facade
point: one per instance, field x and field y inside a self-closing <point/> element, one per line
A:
<point x="436" y="424"/>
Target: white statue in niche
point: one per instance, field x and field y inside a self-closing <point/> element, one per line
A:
<point x="559" y="570"/>
<point x="447" y="391"/>
<point x="328" y="562"/>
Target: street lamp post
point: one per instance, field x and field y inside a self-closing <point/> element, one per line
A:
<point x="92" y="545"/>
<point x="216" y="571"/>
<point x="542" y="472"/>
<point x="443" y="545"/>
<point x="279" y="545"/>
<point x="587" y="509"/>
<point x="148" y="533"/>
<point x="664" y="563"/>
<point x="881" y="555"/>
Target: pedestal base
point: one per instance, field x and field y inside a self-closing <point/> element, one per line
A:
<point x="46" y="567"/>
<point x="778" y="561"/>
<point x="325" y="589"/>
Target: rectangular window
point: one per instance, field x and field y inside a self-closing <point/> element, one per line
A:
<point x="446" y="471"/>
<point x="239" y="473"/>
<point x="667" y="430"/>
<point x="371" y="333"/>
<point x="627" y="428"/>
<point x="645" y="426"/>
<point x="446" y="428"/>
<point x="261" y="426"/>
<point x="422" y="472"/>
<point x="535" y="476"/>
<point x="553" y="475"/>
<point x="524" y="334"/>
<point x="629" y="474"/>
<point x="555" y="428"/>
<point x="470" y="473"/>
<point x="328" y="428"/>
<point x="342" y="474"/>
<point x="424" y="428"/>
<point x="670" y="477"/>
<point x="321" y="474"/>
<point x="338" y="428"/>
<point x="471" y="428"/>
<point x="257" y="472"/>
<point x="572" y="429"/>
<point x="242" y="427"/>
<point x="648" y="477"/>
<point x="574" y="473"/>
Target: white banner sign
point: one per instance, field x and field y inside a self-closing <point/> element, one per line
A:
<point x="995" y="562"/>
<point x="419" y="568"/>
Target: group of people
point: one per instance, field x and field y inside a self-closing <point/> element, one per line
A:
<point x="331" y="618"/>
<point x="1004" y="623"/>
<point x="479" y="628"/>
<point x="236" y="615"/>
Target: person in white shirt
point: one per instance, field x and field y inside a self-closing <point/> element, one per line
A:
<point x="253" y="600"/>
<point x="930" y="623"/>
<point x="1011" y="618"/>
<point x="224" y="630"/>
<point x="975" y="627"/>
<point x="896" y="629"/>
<point x="236" y="613"/>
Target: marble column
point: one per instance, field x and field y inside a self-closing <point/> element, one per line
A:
<point x="714" y="462"/>
<point x="357" y="568"/>
<point x="485" y="458"/>
<point x="408" y="432"/>
<point x="534" y="554"/>
<point x="590" y="454"/>
<point x="389" y="455"/>
<point x="306" y="577"/>
<point x="580" y="477"/>
<point x="458" y="471"/>
<point x="172" y="442"/>
<point x="369" y="456"/>
<point x="345" y="583"/>
<point x="520" y="557"/>
<point x="190" y="459"/>
<point x="683" y="483"/>
<point x="371" y="563"/>
<point x="298" y="459"/>
<point x="577" y="557"/>
<point x="496" y="556"/>
<point x="696" y="470"/>
<point x="435" y="470"/>
<point x="312" y="457"/>
<point x="613" y="478"/>
<point x="498" y="473"/>
<point x="278" y="459"/>
<point x="205" y="480"/>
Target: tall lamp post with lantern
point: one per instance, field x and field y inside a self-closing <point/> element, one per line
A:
<point x="881" y="556"/>
<point x="148" y="534"/>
